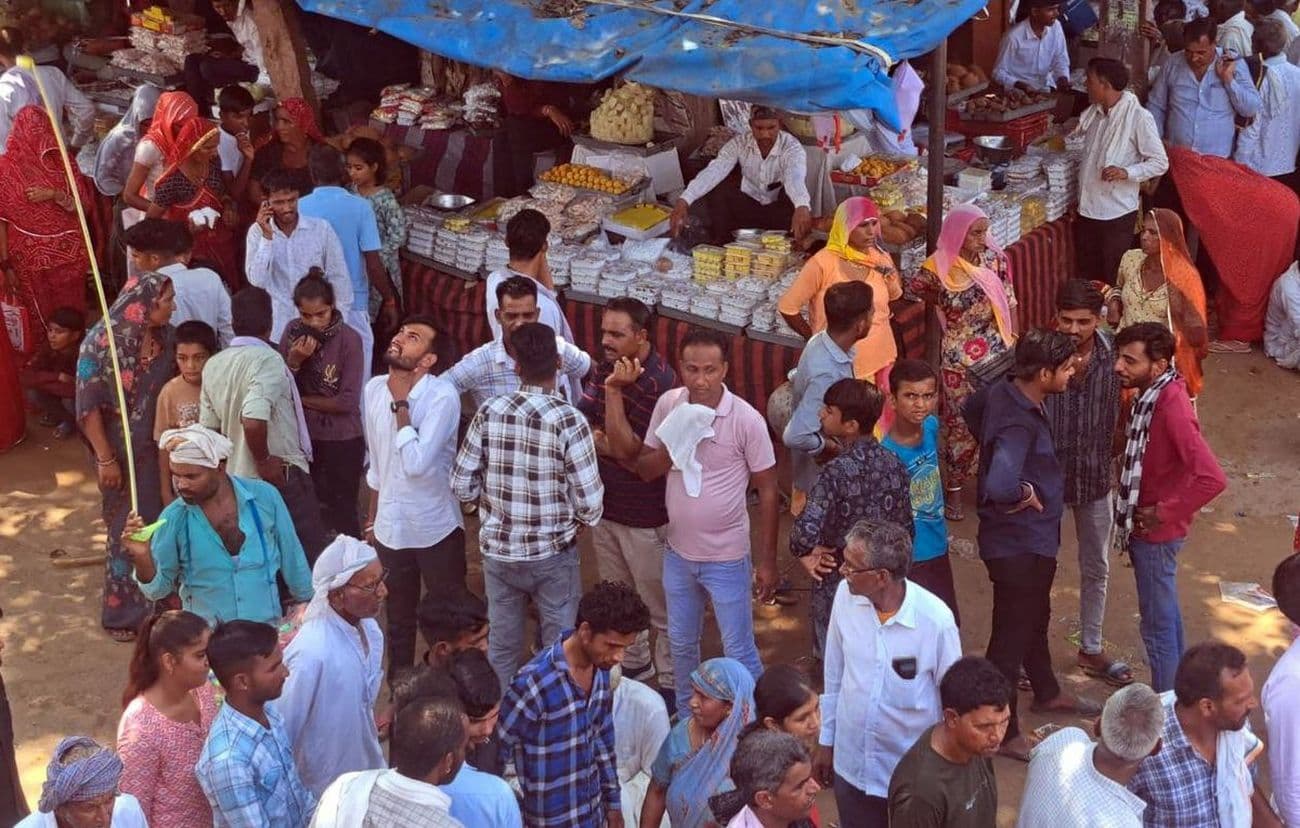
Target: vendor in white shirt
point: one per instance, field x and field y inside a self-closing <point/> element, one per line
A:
<point x="772" y="189"/>
<point x="1033" y="56"/>
<point x="18" y="89"/>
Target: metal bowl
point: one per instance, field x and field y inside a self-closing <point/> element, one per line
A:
<point x="994" y="148"/>
<point x="448" y="201"/>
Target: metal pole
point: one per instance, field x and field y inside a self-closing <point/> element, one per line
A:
<point x="934" y="160"/>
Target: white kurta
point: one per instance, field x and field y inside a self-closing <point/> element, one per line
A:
<point x="126" y="814"/>
<point x="328" y="702"/>
<point x="640" y="727"/>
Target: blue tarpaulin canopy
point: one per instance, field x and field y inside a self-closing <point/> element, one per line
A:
<point x="799" y="55"/>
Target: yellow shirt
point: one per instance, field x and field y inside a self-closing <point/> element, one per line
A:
<point x="877" y="349"/>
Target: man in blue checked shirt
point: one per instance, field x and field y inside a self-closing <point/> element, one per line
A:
<point x="246" y="769"/>
<point x="557" y="718"/>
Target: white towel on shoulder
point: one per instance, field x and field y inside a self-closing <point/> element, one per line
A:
<point x="1119" y="126"/>
<point x="681" y="432"/>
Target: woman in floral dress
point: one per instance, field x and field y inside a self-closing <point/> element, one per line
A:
<point x="367" y="167"/>
<point x="968" y="280"/>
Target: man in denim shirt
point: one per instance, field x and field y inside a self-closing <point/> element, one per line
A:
<point x="1021" y="500"/>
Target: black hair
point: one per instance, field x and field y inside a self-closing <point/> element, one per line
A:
<point x="1226" y="8"/>
<point x="1200" y="27"/>
<point x="326" y="166"/>
<point x="1286" y="587"/>
<point x="1154" y="336"/>
<point x="449" y="613"/>
<point x="165" y="632"/>
<point x="314" y="286"/>
<point x="1169" y="10"/>
<point x="706" y="336"/>
<point x="971" y="683"/>
<point x="197" y="332"/>
<point x="12" y="42"/>
<point x="535" y="351"/>
<point x="1262" y="8"/>
<point x="779" y="692"/>
<point x="371" y="152"/>
<point x="910" y="370"/>
<point x="526" y="234"/>
<point x="235" y="643"/>
<point x="845" y="303"/>
<point x="764" y="113"/>
<point x="1040" y="350"/>
<point x="613" y="606"/>
<point x="287" y="180"/>
<point x="1112" y="71"/>
<point x="420" y="682"/>
<point x="515" y="287"/>
<point x="155" y="235"/>
<point x="1200" y="671"/>
<point x="69" y="318"/>
<point x="424" y="732"/>
<point x="857" y="400"/>
<point x="250" y="312"/>
<point x="422" y="319"/>
<point x="1079" y="294"/>
<point x="234" y="98"/>
<point x="477" y="684"/>
<point x="639" y="312"/>
<point x="1269" y="38"/>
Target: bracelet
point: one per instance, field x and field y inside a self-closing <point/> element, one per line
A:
<point x="101" y="463"/>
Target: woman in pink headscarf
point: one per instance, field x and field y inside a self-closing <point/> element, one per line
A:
<point x="967" y="278"/>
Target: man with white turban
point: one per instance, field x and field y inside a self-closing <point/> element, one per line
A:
<point x="336" y="667"/>
<point x="81" y="790"/>
<point x="224" y="539"/>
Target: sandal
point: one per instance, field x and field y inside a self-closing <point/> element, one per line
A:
<point x="1229" y="346"/>
<point x="1114" y="673"/>
<point x="121" y="636"/>
<point x="1076" y="707"/>
<point x="1023" y="682"/>
<point x="952" y="510"/>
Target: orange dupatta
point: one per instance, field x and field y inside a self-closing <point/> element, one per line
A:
<point x="1187" y="305"/>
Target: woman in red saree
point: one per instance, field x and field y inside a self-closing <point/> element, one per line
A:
<point x="41" y="247"/>
<point x="293" y="133"/>
<point x="192" y="190"/>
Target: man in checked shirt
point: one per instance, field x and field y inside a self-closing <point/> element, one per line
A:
<point x="530" y="461"/>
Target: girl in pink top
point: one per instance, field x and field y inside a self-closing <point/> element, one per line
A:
<point x="169" y="709"/>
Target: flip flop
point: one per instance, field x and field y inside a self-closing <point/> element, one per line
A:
<point x="1081" y="707"/>
<point x="1229" y="346"/>
<point x="1115" y="673"/>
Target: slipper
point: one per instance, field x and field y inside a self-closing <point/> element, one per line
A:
<point x="1080" y="707"/>
<point x="121" y="636"/>
<point x="1023" y="682"/>
<point x="1015" y="753"/>
<point x="953" y="511"/>
<point x="1229" y="346"/>
<point x="1115" y="673"/>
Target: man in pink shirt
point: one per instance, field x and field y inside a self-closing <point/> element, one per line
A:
<point x="1169" y="473"/>
<point x="706" y="557"/>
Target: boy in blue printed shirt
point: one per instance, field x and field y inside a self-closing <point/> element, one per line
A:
<point x="914" y="439"/>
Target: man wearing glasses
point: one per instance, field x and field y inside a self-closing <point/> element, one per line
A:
<point x="336" y="666"/>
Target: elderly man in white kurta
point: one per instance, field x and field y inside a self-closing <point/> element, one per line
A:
<point x="336" y="668"/>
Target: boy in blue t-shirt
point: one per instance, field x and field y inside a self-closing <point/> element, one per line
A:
<point x="914" y="439"/>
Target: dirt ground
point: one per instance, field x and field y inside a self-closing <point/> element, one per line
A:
<point x="64" y="675"/>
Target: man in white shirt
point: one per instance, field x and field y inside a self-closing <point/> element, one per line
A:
<point x="18" y="89"/>
<point x="772" y="192"/>
<point x="165" y="246"/>
<point x="489" y="370"/>
<point x="887" y="647"/>
<point x="1270" y="143"/>
<point x="1033" y="56"/>
<point x="1235" y="31"/>
<point x="640" y="727"/>
<point x="1281" y="701"/>
<point x="1258" y="11"/>
<point x="410" y="420"/>
<point x="336" y="667"/>
<point x="526" y="236"/>
<point x="1121" y="149"/>
<point x="283" y="245"/>
<point x="1074" y="781"/>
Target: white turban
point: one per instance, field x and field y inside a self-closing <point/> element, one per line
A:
<point x="196" y="445"/>
<point x="343" y="558"/>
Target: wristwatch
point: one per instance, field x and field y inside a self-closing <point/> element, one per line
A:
<point x="398" y="405"/>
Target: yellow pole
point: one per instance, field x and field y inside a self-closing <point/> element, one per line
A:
<point x="28" y="65"/>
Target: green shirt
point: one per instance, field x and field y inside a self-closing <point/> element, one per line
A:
<point x="249" y="380"/>
<point x="928" y="791"/>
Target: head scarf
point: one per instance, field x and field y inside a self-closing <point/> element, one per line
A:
<point x="312" y="376"/>
<point x="849" y="216"/>
<point x="947" y="259"/>
<point x="129" y="317"/>
<point x="189" y="138"/>
<point x="174" y="109"/>
<point x="300" y="112"/>
<point x="84" y="779"/>
<point x="32" y="159"/>
<point x="116" y="152"/>
<point x="1187" y="308"/>
<point x="343" y="558"/>
<point x="701" y="773"/>
<point x="196" y="445"/>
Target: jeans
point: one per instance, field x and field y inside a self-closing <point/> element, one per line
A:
<point x="687" y="586"/>
<point x="635" y="556"/>
<point x="858" y="809"/>
<point x="441" y="567"/>
<point x="936" y="576"/>
<point x="1101" y="243"/>
<point x="60" y="409"/>
<point x="1092" y="525"/>
<point x="821" y="597"/>
<point x="554" y="584"/>
<point x="1022" y="610"/>
<point x="300" y="499"/>
<point x="336" y="476"/>
<point x="1155" y="568"/>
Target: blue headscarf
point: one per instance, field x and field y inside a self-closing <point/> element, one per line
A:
<point x="90" y="778"/>
<point x="704" y="772"/>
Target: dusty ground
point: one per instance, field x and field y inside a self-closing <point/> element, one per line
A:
<point x="64" y="675"/>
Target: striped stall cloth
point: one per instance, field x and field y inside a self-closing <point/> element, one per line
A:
<point x="452" y="160"/>
<point x="1040" y="263"/>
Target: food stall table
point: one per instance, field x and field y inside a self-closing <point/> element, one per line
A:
<point x="659" y="162"/>
<point x="458" y="160"/>
<point x="456" y="304"/>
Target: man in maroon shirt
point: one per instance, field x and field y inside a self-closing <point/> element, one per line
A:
<point x="1173" y="472"/>
<point x="534" y="121"/>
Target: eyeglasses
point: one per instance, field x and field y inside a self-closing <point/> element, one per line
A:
<point x="371" y="588"/>
<point x="848" y="571"/>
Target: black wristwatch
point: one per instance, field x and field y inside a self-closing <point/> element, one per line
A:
<point x="398" y="405"/>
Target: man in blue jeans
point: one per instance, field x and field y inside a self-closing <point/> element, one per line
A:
<point x="1169" y="473"/>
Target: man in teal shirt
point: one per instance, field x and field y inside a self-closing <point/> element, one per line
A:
<point x="224" y="539"/>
